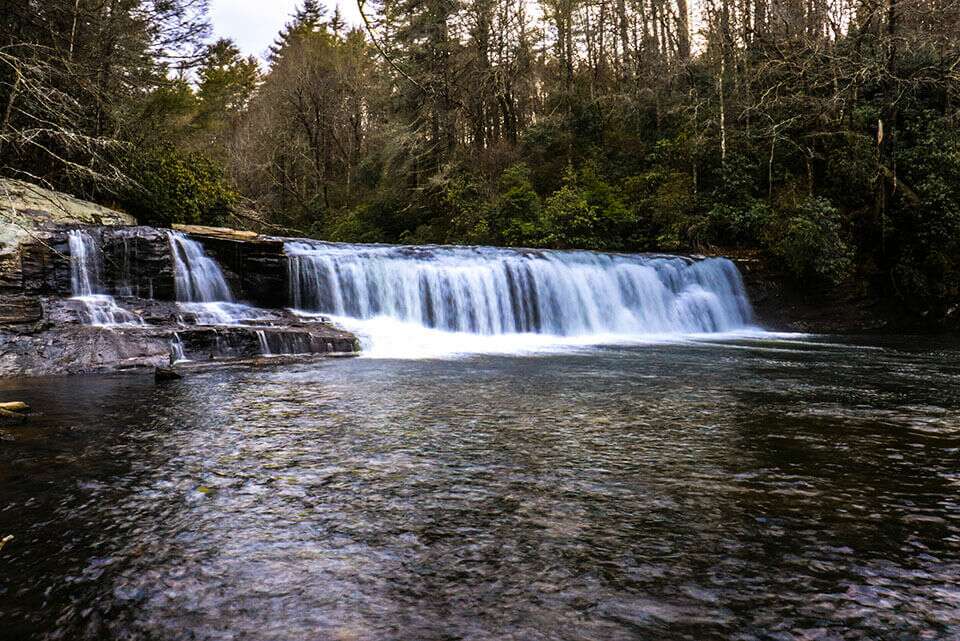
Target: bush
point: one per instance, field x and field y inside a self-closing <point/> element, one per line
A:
<point x="517" y="208"/>
<point x="808" y="242"/>
<point x="664" y="205"/>
<point x="172" y="186"/>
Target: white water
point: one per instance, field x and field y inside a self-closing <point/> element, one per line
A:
<point x="201" y="286"/>
<point x="176" y="349"/>
<point x="417" y="301"/>
<point x="199" y="278"/>
<point x="86" y="278"/>
<point x="264" y="344"/>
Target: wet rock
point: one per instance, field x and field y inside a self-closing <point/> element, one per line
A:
<point x="161" y="374"/>
<point x="60" y="344"/>
<point x="137" y="263"/>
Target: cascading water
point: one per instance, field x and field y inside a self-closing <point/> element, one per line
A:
<point x="176" y="349"/>
<point x="201" y="286"/>
<point x="492" y="292"/>
<point x="199" y="278"/>
<point x="85" y="264"/>
<point x="86" y="277"/>
<point x="264" y="343"/>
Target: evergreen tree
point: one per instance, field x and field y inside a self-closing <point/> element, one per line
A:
<point x="308" y="18"/>
<point x="226" y="83"/>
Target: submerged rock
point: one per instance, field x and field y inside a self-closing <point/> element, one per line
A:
<point x="162" y="374"/>
<point x="6" y="416"/>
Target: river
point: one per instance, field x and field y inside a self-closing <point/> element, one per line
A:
<point x="765" y="487"/>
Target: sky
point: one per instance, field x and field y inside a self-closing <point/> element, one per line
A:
<point x="254" y="24"/>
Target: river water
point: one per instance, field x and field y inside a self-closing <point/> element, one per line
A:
<point x="754" y="488"/>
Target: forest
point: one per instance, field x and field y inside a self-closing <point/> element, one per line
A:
<point x="819" y="135"/>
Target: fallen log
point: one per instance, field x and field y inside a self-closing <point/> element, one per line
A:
<point x="15" y="406"/>
<point x="6" y="416"/>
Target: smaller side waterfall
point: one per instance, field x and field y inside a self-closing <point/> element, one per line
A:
<point x="264" y="343"/>
<point x="86" y="277"/>
<point x="201" y="286"/>
<point x="85" y="264"/>
<point x="199" y="278"/>
<point x="176" y="349"/>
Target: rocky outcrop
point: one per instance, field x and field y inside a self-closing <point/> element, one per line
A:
<point x="34" y="259"/>
<point x="43" y="331"/>
<point x="779" y="306"/>
<point x="29" y="208"/>
<point x="60" y="343"/>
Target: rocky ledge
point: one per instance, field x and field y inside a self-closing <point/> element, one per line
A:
<point x="44" y="330"/>
<point x="59" y="343"/>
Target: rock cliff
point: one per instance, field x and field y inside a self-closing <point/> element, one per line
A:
<point x="46" y="330"/>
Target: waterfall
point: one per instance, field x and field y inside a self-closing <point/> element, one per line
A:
<point x="176" y="349"/>
<point x="199" y="278"/>
<point x="264" y="343"/>
<point x="488" y="291"/>
<point x="201" y="286"/>
<point x="86" y="282"/>
<point x="86" y="267"/>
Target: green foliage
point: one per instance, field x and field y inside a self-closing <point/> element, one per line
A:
<point x="807" y="239"/>
<point x="927" y="227"/>
<point x="664" y="203"/>
<point x="517" y="209"/>
<point x="176" y="187"/>
<point x="569" y="220"/>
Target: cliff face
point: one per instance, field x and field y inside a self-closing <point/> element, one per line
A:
<point x="44" y="330"/>
<point x="33" y="260"/>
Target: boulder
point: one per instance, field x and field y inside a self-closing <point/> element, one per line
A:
<point x="162" y="374"/>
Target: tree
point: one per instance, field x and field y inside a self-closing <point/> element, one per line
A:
<point x="307" y="19"/>
<point x="226" y="81"/>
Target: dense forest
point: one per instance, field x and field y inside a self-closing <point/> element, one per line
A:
<point x="821" y="135"/>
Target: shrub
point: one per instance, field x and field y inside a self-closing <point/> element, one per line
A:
<point x="171" y="186"/>
<point x="809" y="243"/>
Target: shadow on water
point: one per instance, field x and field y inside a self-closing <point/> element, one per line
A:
<point x="740" y="490"/>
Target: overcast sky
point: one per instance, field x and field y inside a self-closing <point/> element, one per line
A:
<point x="253" y="24"/>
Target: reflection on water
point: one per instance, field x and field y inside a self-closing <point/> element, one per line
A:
<point x="733" y="490"/>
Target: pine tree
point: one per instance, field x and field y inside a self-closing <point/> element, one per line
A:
<point x="226" y="82"/>
<point x="308" y="18"/>
<point x="337" y="23"/>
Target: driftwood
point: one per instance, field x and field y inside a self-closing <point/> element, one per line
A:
<point x="11" y="417"/>
<point x="15" y="406"/>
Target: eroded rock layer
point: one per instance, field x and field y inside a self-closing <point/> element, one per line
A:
<point x="127" y="316"/>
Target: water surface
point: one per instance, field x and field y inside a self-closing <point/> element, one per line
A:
<point x="736" y="489"/>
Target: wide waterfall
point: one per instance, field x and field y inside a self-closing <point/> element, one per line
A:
<point x="86" y="282"/>
<point x="490" y="292"/>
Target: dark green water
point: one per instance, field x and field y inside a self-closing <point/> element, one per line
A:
<point x="746" y="490"/>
